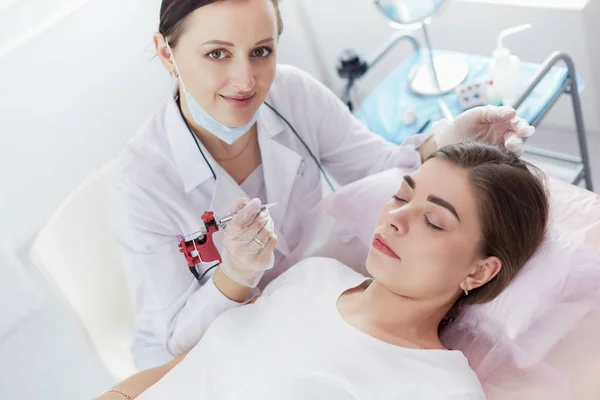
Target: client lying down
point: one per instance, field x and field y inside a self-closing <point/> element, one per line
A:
<point x="455" y="233"/>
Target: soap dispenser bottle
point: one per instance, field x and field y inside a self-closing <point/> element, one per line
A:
<point x="506" y="72"/>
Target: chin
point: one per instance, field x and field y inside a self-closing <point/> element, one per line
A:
<point x="382" y="267"/>
<point x="374" y="264"/>
<point x="233" y="122"/>
<point x="235" y="118"/>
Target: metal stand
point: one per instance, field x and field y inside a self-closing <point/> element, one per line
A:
<point x="569" y="86"/>
<point x="352" y="67"/>
<point x="431" y="61"/>
<point x="437" y="75"/>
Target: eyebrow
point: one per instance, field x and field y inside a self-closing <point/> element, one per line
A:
<point x="223" y="43"/>
<point x="443" y="203"/>
<point x="434" y="199"/>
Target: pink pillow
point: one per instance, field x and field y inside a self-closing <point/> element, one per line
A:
<point x="357" y="206"/>
<point x="561" y="281"/>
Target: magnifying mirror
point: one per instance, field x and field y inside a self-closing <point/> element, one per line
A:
<point x="437" y="75"/>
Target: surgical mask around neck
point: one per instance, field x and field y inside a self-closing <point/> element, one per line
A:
<point x="227" y="134"/>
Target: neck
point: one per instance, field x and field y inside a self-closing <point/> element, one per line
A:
<point x="414" y="320"/>
<point x="217" y="148"/>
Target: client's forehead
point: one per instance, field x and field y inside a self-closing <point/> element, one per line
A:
<point x="443" y="179"/>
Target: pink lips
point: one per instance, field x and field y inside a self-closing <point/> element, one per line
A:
<point x="382" y="245"/>
<point x="239" y="101"/>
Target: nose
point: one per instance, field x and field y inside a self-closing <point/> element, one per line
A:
<point x="399" y="219"/>
<point x="242" y="76"/>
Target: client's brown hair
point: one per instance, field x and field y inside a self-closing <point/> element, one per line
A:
<point x="513" y="210"/>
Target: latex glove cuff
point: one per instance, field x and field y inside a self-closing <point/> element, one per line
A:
<point x="245" y="277"/>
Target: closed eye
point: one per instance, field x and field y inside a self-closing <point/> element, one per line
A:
<point x="432" y="226"/>
<point x="427" y="222"/>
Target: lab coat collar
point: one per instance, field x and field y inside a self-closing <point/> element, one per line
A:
<point x="190" y="164"/>
<point x="269" y="122"/>
<point x="280" y="168"/>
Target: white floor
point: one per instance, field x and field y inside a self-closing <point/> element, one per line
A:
<point x="45" y="354"/>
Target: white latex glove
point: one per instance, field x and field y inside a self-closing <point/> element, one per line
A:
<point x="248" y="243"/>
<point x="489" y="124"/>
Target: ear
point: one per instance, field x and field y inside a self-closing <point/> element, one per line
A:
<point x="163" y="52"/>
<point x="485" y="270"/>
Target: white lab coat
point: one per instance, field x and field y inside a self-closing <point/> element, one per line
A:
<point x="163" y="185"/>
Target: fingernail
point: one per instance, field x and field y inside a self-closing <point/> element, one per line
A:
<point x="255" y="204"/>
<point x="512" y="146"/>
<point x="240" y="203"/>
<point x="529" y="131"/>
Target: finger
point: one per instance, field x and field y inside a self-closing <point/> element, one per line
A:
<point x="264" y="216"/>
<point x="251" y="230"/>
<point x="268" y="223"/>
<point x="262" y="254"/>
<point x="264" y="235"/>
<point x="493" y="114"/>
<point x="247" y="214"/>
<point x="521" y="127"/>
<point x="242" y="221"/>
<point x="264" y="213"/>
<point x="519" y="152"/>
<point x="232" y="229"/>
<point x="239" y="204"/>
<point x="270" y="247"/>
<point x="513" y="143"/>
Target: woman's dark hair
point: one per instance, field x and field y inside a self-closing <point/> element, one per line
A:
<point x="513" y="207"/>
<point x="174" y="14"/>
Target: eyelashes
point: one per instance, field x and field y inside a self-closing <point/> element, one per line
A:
<point x="221" y="54"/>
<point x="265" y="49"/>
<point x="432" y="226"/>
<point x="425" y="219"/>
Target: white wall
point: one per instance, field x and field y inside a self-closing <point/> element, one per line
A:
<point x="297" y="45"/>
<point x="71" y="95"/>
<point x="591" y="28"/>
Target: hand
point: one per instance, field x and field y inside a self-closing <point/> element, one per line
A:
<point x="248" y="243"/>
<point x="489" y="124"/>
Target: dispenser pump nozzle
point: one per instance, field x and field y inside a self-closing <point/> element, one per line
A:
<point x="510" y="31"/>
